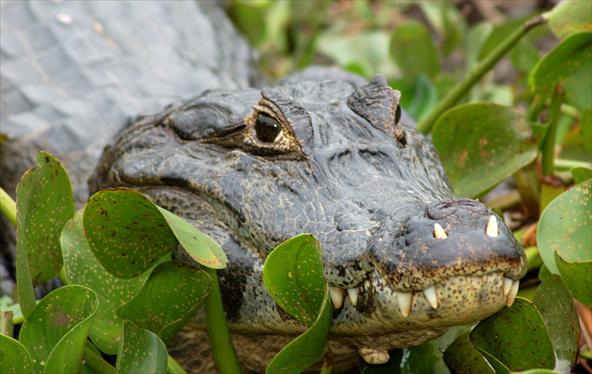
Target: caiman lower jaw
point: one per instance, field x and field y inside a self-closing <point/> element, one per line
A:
<point x="396" y="319"/>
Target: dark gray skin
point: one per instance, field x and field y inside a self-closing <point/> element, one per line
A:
<point x="341" y="168"/>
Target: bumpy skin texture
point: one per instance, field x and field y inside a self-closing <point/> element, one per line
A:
<point x="341" y="168"/>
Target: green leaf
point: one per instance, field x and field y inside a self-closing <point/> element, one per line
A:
<point x="420" y="98"/>
<point x="561" y="319"/>
<point x="307" y="348"/>
<point x="580" y="174"/>
<point x="293" y="275"/>
<point x="199" y="246"/>
<point x="55" y="332"/>
<point x="516" y="336"/>
<point x="569" y="17"/>
<point x="570" y="65"/>
<point x="126" y="232"/>
<point x="82" y="267"/>
<point x="14" y="357"/>
<point x="44" y="203"/>
<point x="462" y="357"/>
<point x="577" y="276"/>
<point x="168" y="300"/>
<point x="413" y="50"/>
<point x="141" y="351"/>
<point x="482" y="144"/>
<point x="565" y="227"/>
<point x="368" y="51"/>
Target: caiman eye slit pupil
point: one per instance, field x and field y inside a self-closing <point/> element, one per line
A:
<point x="266" y="128"/>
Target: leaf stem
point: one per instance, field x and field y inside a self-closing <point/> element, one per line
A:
<point x="220" y="340"/>
<point x="568" y="164"/>
<point x="96" y="363"/>
<point x="7" y="206"/>
<point x="460" y="90"/>
<point x="548" y="146"/>
<point x="173" y="367"/>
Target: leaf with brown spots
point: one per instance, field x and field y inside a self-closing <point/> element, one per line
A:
<point x="44" y="203"/>
<point x="482" y="144"/>
<point x="82" y="267"/>
<point x="55" y="332"/>
<point x="516" y="336"/>
<point x="168" y="299"/>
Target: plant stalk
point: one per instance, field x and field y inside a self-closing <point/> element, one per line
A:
<point x="96" y="363"/>
<point x="173" y="366"/>
<point x="548" y="146"/>
<point x="459" y="91"/>
<point x="7" y="206"/>
<point x="218" y="333"/>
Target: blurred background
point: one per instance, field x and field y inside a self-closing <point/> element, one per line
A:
<point x="422" y="47"/>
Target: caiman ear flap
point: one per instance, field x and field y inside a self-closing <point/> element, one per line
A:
<point x="378" y="104"/>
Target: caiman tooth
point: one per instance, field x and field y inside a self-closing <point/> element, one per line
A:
<point x="353" y="294"/>
<point x="373" y="356"/>
<point x="405" y="300"/>
<point x="507" y="285"/>
<point x="492" y="230"/>
<point x="431" y="296"/>
<point x="439" y="232"/>
<point x="367" y="284"/>
<point x="336" y="294"/>
<point x="512" y="294"/>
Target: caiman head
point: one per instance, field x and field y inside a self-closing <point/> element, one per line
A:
<point x="404" y="258"/>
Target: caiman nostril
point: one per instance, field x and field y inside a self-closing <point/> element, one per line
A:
<point x="492" y="229"/>
<point x="439" y="232"/>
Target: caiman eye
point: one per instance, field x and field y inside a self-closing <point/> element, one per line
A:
<point x="397" y="114"/>
<point x="267" y="128"/>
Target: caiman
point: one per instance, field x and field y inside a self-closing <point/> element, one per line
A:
<point x="405" y="259"/>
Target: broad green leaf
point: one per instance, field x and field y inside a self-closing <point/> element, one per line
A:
<point x="44" y="203"/>
<point x="462" y="357"/>
<point x="55" y="332"/>
<point x="126" y="232"/>
<point x="565" y="227"/>
<point x="168" y="299"/>
<point x="420" y="98"/>
<point x="293" y="275"/>
<point x="307" y="348"/>
<point x="447" y="21"/>
<point x="82" y="267"/>
<point x="482" y="144"/>
<point x="141" y="351"/>
<point x="368" y="50"/>
<point x="413" y="50"/>
<point x="570" y="65"/>
<point x="577" y="276"/>
<point x="198" y="245"/>
<point x="580" y="174"/>
<point x="516" y="336"/>
<point x="537" y="371"/>
<point x="561" y="319"/>
<point x="569" y="17"/>
<point x="14" y="357"/>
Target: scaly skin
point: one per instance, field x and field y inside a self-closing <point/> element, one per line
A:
<point x="414" y="259"/>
